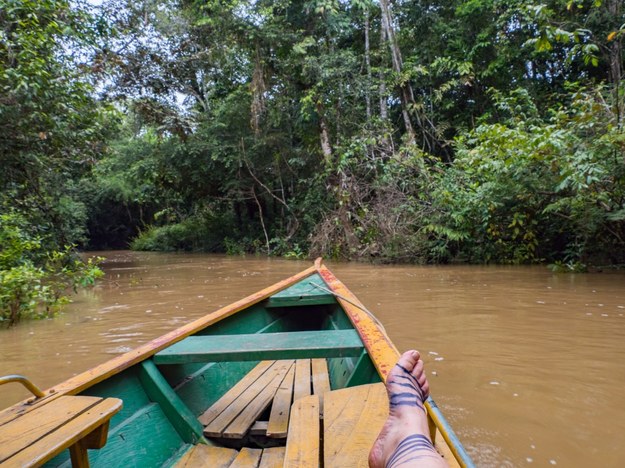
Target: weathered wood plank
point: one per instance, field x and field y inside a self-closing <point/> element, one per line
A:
<point x="320" y="379"/>
<point x="97" y="439"/>
<point x="247" y="458"/>
<point x="18" y="410"/>
<point x="302" y="387"/>
<point x="203" y="388"/>
<point x="220" y="405"/>
<point x="352" y="420"/>
<point x="217" y="426"/>
<point x="204" y="456"/>
<point x="259" y="428"/>
<point x="262" y="346"/>
<point x="51" y="442"/>
<point x="79" y="456"/>
<point x="272" y="458"/>
<point x="279" y="417"/>
<point x="35" y="424"/>
<point x="303" y="442"/>
<point x="242" y="423"/>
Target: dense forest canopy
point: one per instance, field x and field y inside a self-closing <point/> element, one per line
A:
<point x="416" y="131"/>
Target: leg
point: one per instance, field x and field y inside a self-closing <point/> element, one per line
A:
<point x="404" y="439"/>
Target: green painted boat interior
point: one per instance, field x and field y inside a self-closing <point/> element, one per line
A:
<point x="162" y="402"/>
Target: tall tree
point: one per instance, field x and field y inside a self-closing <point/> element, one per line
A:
<point x="52" y="129"/>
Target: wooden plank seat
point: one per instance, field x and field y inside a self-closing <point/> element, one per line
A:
<point x="263" y="346"/>
<point x="270" y="383"/>
<point x="39" y="433"/>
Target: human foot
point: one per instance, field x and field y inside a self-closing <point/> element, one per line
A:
<point x="404" y="440"/>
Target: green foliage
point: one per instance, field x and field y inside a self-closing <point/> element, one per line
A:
<point x="522" y="192"/>
<point x="205" y="232"/>
<point x="34" y="283"/>
<point x="53" y="129"/>
<point x="571" y="267"/>
<point x="21" y="293"/>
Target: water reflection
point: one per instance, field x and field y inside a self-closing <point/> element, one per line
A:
<point x="525" y="364"/>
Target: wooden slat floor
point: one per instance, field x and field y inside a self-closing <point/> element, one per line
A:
<point x="351" y="421"/>
<point x="205" y="456"/>
<point x="275" y="384"/>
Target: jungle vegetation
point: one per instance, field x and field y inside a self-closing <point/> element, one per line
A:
<point x="407" y="131"/>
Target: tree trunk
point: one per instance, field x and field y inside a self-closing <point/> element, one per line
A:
<point x="382" y="78"/>
<point x="324" y="136"/>
<point x="258" y="88"/>
<point x="368" y="65"/>
<point x="406" y="95"/>
<point x="616" y="61"/>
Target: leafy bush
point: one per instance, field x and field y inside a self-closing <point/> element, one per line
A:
<point x="528" y="190"/>
<point x="33" y="282"/>
<point x="205" y="233"/>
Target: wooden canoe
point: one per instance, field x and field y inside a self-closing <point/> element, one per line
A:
<point x="289" y="376"/>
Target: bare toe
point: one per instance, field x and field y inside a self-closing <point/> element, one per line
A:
<point x="408" y="375"/>
<point x="409" y="360"/>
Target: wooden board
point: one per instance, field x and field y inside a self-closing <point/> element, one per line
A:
<point x="50" y="429"/>
<point x="35" y="424"/>
<point x="259" y="428"/>
<point x="320" y="379"/>
<point x="302" y="384"/>
<point x="205" y="456"/>
<point x="384" y="354"/>
<point x="263" y="346"/>
<point x="352" y="421"/>
<point x="247" y="458"/>
<point x="237" y="406"/>
<point x="242" y="423"/>
<point x="303" y="444"/>
<point x="18" y="410"/>
<point x="220" y="405"/>
<point x="279" y="417"/>
<point x="273" y="458"/>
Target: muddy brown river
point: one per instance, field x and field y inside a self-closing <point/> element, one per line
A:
<point x="527" y="365"/>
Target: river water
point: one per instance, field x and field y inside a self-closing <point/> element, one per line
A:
<point x="527" y="365"/>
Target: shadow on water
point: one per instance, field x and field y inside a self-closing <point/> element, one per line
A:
<point x="526" y="364"/>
